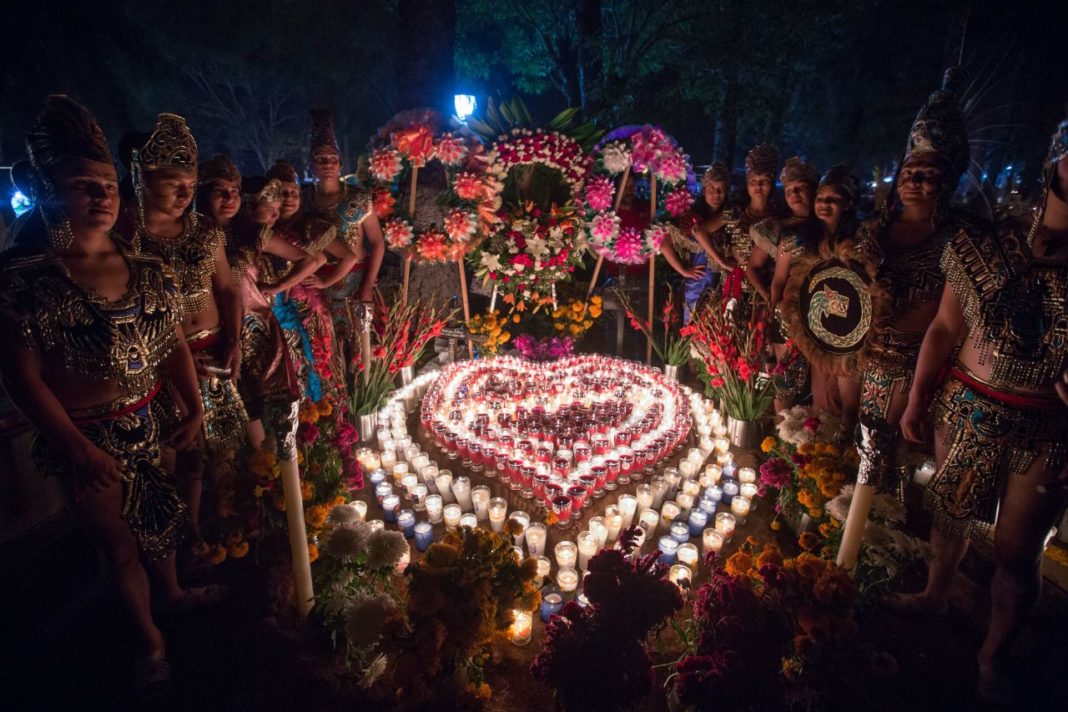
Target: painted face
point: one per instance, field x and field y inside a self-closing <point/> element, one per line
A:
<point x="290" y="205"/>
<point x="169" y="191"/>
<point x="830" y="206"/>
<point x="798" y="198"/>
<point x="88" y="192"/>
<point x="715" y="194"/>
<point x="919" y="181"/>
<point x="224" y="200"/>
<point x="266" y="213"/>
<point x="759" y="187"/>
<point x="326" y="165"/>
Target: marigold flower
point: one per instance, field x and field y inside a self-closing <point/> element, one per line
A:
<point x="313" y="552"/>
<point x="239" y="550"/>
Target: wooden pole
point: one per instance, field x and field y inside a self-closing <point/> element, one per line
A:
<point x="412" y="188"/>
<point x="652" y="271"/>
<point x="600" y="258"/>
<point x="466" y="303"/>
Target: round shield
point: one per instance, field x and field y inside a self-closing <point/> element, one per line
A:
<point x="829" y="306"/>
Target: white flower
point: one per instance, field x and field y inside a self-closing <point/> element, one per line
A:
<point x="537" y="247"/>
<point x="374" y="670"/>
<point x="385" y="549"/>
<point x="364" y="616"/>
<point x="491" y="262"/>
<point x="616" y="158"/>
<point x="346" y="542"/>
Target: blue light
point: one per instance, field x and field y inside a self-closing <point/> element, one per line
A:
<point x="20" y="203"/>
<point x="888" y="179"/>
<point x="465" y="105"/>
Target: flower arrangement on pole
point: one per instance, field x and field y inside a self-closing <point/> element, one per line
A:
<point x="673" y="346"/>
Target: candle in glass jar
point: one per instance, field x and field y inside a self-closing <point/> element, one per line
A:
<point x="535" y="535"/>
<point x="452" y="513"/>
<point x="668" y="550"/>
<point x="461" y="489"/>
<point x="697" y="521"/>
<point x="497" y="509"/>
<point x="551" y="603"/>
<point x="444" y="484"/>
<point x="599" y="528"/>
<point x="421" y="462"/>
<point x="544" y="566"/>
<point x="408" y="482"/>
<point x="691" y="487"/>
<point x="480" y="497"/>
<point x="749" y="490"/>
<point x="390" y="505"/>
<point x="566" y="554"/>
<point x="660" y="488"/>
<point x="406" y="522"/>
<point x="644" y="495"/>
<point x="424" y="535"/>
<point x="377" y="477"/>
<point x="725" y="523"/>
<point x="418" y="496"/>
<point x="613" y="520"/>
<point x="730" y="489"/>
<point x="679" y="531"/>
<point x="668" y="512"/>
<point x="376" y="525"/>
<point x="649" y="520"/>
<point x="687" y="469"/>
<point x="522" y="627"/>
<point x="522" y="521"/>
<point x="685" y="502"/>
<point x="711" y="540"/>
<point x="688" y="554"/>
<point x="389" y="459"/>
<point x="681" y="576"/>
<point x="567" y="580"/>
<point x="740" y="508"/>
<point x="469" y="520"/>
<point x="433" y="508"/>
<point x="722" y="445"/>
<point x="587" y="547"/>
<point x="746" y="474"/>
<point x="713" y="473"/>
<point x="627" y="506"/>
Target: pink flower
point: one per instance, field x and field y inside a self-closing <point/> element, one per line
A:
<point x="672" y="168"/>
<point x="678" y="202"/>
<point x="628" y="247"/>
<point x="385" y="164"/>
<point x="450" y="150"/>
<point x="398" y="233"/>
<point x="600" y="192"/>
<point x="604" y="228"/>
<point x="460" y="226"/>
<point x="812" y="424"/>
<point x="655" y="236"/>
<point x="468" y="186"/>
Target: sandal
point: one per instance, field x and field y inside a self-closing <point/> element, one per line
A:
<point x="153" y="673"/>
<point x="916" y="604"/>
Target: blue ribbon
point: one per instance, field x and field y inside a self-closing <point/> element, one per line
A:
<point x="289" y="317"/>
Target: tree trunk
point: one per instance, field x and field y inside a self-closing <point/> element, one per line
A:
<point x="427" y="36"/>
<point x="727" y="125"/>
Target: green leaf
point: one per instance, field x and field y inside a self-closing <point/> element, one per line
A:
<point x="482" y="128"/>
<point x="563" y="119"/>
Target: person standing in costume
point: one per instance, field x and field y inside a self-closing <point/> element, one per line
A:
<point x="1001" y="432"/>
<point x="695" y="237"/>
<point x="769" y="237"/>
<point x="350" y="210"/>
<point x="906" y="242"/>
<point x="91" y="332"/>
<point x="167" y="226"/>
<point x="266" y="374"/>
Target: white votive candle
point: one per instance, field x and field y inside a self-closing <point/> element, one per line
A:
<point x="536" y="539"/>
<point x="480" y="497"/>
<point x="461" y="489"/>
<point x="740" y="508"/>
<point x="452" y="513"/>
<point x="725" y="523"/>
<point x="613" y="520"/>
<point x="497" y="509"/>
<point x="566" y="554"/>
<point x="599" y="529"/>
<point x="687" y="554"/>
<point x="522" y="519"/>
<point x="649" y="520"/>
<point x="746" y="474"/>
<point x="434" y="508"/>
<point x="627" y="506"/>
<point x="469" y="520"/>
<point x="360" y="507"/>
<point x="711" y="540"/>
<point x="587" y="547"/>
<point x="567" y="580"/>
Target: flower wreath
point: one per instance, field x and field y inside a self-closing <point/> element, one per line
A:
<point x="641" y="149"/>
<point x="468" y="194"/>
<point x="533" y="249"/>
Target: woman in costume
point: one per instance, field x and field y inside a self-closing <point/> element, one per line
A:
<point x="906" y="242"/>
<point x="697" y="234"/>
<point x="266" y="377"/>
<point x="1001" y="432"/>
<point x="167" y="226"/>
<point x="91" y="332"/>
<point x="799" y="181"/>
<point x="304" y="311"/>
<point x="349" y="209"/>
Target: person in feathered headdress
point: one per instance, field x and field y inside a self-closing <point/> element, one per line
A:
<point x="349" y="209"/>
<point x="1004" y="430"/>
<point x="91" y="331"/>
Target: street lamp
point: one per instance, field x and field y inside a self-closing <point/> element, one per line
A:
<point x="465" y="105"/>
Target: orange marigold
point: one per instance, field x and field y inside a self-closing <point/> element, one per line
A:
<point x="313" y="552"/>
<point x="768" y="444"/>
<point x="238" y="550"/>
<point x="739" y="563"/>
<point x="808" y="541"/>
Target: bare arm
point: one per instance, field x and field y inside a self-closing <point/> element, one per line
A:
<point x="702" y="233"/>
<point x="672" y="257"/>
<point x="782" y="273"/>
<point x="231" y="310"/>
<point x="23" y="379"/>
<point x="377" y="243"/>
<point x="346" y="260"/>
<point x="942" y="336"/>
<point x="754" y="271"/>
<point x="303" y="263"/>
<point x="179" y="366"/>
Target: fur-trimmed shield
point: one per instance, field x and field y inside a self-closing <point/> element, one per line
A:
<point x="831" y="301"/>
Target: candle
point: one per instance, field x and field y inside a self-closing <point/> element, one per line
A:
<point x="567" y="580"/>
<point x="522" y="521"/>
<point x="469" y="520"/>
<point x="691" y="487"/>
<point x="599" y="529"/>
<point x="421" y="462"/>
<point x="711" y="540"/>
<point x="746" y="474"/>
<point x="713" y="473"/>
<point x="544" y="566"/>
<point x="660" y="487"/>
<point x="687" y="554"/>
<point x="668" y="549"/>
<point x="390" y="505"/>
<point x="389" y="459"/>
<point x="381" y="490"/>
<point x="517" y="552"/>
<point x="430" y="475"/>
<point x="535" y="536"/>
<point x="587" y="547"/>
<point x="444" y="484"/>
<point x="461" y="489"/>
<point x="433" y="508"/>
<point x="650" y="518"/>
<point x="480" y="497"/>
<point x="725" y="524"/>
<point x="697" y="521"/>
<point x="408" y="482"/>
<point x="376" y="525"/>
<point x="680" y="532"/>
<point x="722" y="445"/>
<point x="360" y="508"/>
<point x="551" y="604"/>
<point x="424" y="535"/>
<point x="680" y="575"/>
<point x="740" y="508"/>
<point x="730" y="489"/>
<point x="639" y="538"/>
<point x="452" y="515"/>
<point x="685" y="502"/>
<point x="566" y="554"/>
<point x="613" y="520"/>
<point x="406" y="522"/>
<point x="687" y="469"/>
<point x="707" y="445"/>
<point x="644" y="495"/>
<point x="668" y="512"/>
<point x="377" y="476"/>
<point x="497" y="508"/>
<point x="418" y="494"/>
<point x="627" y="505"/>
<point x="522" y="627"/>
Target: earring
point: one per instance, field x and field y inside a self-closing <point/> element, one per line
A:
<point x="60" y="236"/>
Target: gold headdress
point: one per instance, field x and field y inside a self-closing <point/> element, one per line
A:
<point x="795" y="169"/>
<point x="717" y="173"/>
<point x="322" y="131"/>
<point x="218" y="167"/>
<point x="762" y="159"/>
<point x="171" y="145"/>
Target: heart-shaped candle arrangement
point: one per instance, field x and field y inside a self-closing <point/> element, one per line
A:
<point x="563" y="431"/>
